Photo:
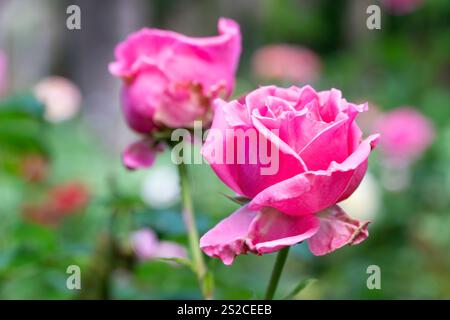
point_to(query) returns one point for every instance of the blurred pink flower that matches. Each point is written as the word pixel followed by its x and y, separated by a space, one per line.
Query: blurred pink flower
pixel 3 73
pixel 400 7
pixel 147 246
pixel 61 97
pixel 286 63
pixel 406 134
pixel 322 159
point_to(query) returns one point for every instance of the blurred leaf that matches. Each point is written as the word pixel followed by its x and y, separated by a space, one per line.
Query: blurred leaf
pixel 24 104
pixel 180 261
pixel 22 127
pixel 302 285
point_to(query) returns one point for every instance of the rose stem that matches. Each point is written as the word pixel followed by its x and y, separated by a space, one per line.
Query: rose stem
pixel 189 220
pixel 276 273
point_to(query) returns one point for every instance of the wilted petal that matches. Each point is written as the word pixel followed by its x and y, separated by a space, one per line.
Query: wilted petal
pixel 229 238
pixel 258 232
pixel 336 230
pixel 273 230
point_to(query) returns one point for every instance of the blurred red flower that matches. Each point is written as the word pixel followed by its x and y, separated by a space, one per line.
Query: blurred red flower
pixel 60 201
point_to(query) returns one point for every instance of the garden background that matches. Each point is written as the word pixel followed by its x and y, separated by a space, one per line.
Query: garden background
pixel 74 155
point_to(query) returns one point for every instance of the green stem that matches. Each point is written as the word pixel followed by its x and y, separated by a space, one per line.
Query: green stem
pixel 276 273
pixel 189 220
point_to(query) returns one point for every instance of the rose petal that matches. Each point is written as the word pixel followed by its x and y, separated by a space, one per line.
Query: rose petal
pixel 273 230
pixel 139 98
pixel 215 145
pixel 258 232
pixel 229 237
pixel 181 57
pixel 140 154
pixel 265 167
pixel 336 230
pixel 331 102
pixel 311 192
pixel 327 145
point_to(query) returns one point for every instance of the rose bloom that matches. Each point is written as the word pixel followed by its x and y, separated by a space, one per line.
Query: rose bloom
pixel 169 81
pixel 401 7
pixel 147 246
pixel 286 62
pixel 322 159
pixel 406 135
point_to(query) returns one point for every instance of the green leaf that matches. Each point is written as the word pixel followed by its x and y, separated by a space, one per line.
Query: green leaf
pixel 298 288
pixel 180 261
pixel 24 104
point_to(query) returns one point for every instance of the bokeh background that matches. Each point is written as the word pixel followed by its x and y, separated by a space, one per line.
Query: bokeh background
pixel 65 198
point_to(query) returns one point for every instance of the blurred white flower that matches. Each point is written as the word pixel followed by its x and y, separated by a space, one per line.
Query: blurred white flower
pixel 161 188
pixel 364 203
pixel 61 97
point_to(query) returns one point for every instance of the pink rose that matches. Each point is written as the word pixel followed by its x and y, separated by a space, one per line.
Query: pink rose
pixel 321 161
pixel 406 135
pixel 170 79
pixel 286 62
